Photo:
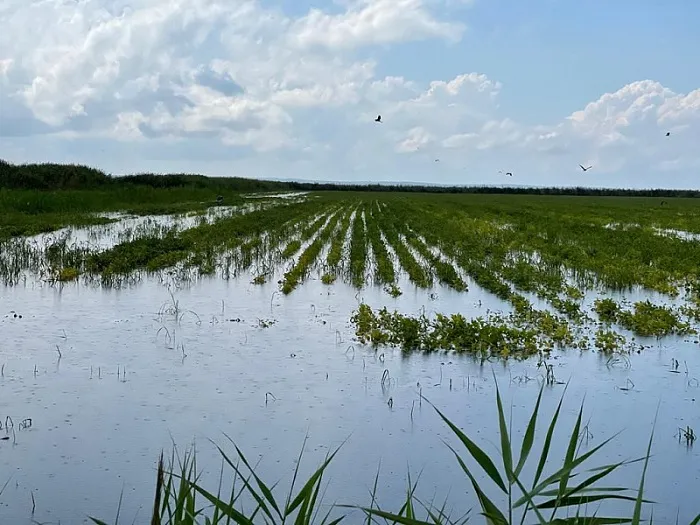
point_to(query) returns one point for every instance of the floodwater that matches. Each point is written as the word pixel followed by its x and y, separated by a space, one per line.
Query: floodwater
pixel 268 370
pixel 129 227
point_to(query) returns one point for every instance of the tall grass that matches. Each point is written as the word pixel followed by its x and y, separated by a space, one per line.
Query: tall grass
pixel 560 490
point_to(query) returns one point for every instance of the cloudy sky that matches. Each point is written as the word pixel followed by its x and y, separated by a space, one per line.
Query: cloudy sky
pixel 290 89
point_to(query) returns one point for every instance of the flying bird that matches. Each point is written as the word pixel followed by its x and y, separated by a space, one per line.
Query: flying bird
pixel 585 169
pixel 509 174
pixel 378 119
pixel 437 160
pixel 668 133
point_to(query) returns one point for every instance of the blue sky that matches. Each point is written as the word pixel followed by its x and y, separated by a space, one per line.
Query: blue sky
pixel 555 56
pixel 289 89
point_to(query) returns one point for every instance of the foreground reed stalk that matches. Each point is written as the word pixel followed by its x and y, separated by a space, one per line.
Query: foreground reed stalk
pixel 560 492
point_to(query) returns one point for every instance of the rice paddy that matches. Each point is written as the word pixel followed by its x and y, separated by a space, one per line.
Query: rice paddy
pixel 272 317
pixel 562 270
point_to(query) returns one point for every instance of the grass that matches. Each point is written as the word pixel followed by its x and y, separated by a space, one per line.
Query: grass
pixel 27 212
pixel 558 489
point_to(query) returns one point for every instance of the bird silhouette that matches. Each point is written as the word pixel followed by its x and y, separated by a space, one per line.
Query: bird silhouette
pixel 509 174
pixel 378 119
pixel 585 169
pixel 437 160
pixel 668 133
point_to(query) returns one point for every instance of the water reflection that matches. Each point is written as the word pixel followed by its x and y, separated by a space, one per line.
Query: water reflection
pixel 269 370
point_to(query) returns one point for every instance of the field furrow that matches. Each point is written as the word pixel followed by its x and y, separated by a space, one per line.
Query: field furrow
pixel 308 257
pixel 416 272
pixel 383 267
pixel 446 272
pixel 358 249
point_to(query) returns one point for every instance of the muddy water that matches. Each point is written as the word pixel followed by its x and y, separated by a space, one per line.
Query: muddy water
pixel 125 388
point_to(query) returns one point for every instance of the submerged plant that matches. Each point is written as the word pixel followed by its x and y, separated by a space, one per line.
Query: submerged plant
pixel 520 335
pixel 608 341
pixel 328 278
pixel 393 290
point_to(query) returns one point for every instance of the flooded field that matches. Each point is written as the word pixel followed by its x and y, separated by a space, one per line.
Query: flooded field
pixel 263 322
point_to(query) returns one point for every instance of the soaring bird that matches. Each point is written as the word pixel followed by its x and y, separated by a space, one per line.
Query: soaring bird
pixel 585 169
pixel 668 133
pixel 378 119
pixel 509 174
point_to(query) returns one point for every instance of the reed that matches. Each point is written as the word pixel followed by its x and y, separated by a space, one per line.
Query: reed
pixel 560 490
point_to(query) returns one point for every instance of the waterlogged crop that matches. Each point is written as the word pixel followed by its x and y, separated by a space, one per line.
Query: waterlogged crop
pixel 308 257
pixel 553 251
pixel 358 249
pixel 518 334
pixel 644 318
pixel 384 268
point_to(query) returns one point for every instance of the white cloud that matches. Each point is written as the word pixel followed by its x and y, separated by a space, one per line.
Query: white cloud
pixel 415 138
pixel 368 22
pixel 5 65
pixel 627 128
pixel 213 82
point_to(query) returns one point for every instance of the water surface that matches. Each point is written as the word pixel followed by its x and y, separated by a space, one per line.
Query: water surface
pixel 132 379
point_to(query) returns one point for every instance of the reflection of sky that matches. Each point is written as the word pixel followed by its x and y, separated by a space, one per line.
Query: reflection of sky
pixel 91 437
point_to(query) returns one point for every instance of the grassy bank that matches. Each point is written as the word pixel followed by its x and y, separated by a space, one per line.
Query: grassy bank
pixel 27 212
pixel 37 198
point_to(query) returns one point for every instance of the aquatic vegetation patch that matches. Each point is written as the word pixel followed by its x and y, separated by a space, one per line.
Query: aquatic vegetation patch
pixel 152 253
pixel 644 318
pixel 68 274
pixel 493 335
pixel 328 278
pixel 608 341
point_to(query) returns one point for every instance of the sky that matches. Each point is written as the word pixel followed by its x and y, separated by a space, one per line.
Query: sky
pixel 289 89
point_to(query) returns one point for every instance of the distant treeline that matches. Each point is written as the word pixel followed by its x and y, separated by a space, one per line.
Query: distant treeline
pixel 50 176
pixel 514 190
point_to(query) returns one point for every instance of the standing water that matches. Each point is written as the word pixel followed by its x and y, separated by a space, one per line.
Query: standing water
pixel 106 379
